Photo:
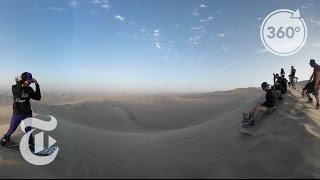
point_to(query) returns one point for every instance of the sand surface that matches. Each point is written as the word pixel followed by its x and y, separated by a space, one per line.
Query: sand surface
pixel 174 136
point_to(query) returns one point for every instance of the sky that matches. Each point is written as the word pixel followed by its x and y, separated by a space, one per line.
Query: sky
pixel 147 45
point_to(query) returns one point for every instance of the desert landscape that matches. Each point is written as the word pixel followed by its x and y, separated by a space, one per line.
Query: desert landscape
pixel 174 136
pixel 161 89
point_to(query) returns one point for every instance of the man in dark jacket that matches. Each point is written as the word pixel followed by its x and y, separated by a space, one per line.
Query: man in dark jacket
pixel 22 93
pixel 269 106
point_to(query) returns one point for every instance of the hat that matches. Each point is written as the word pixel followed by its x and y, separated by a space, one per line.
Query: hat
pixel 265 85
pixel 26 76
pixel 312 61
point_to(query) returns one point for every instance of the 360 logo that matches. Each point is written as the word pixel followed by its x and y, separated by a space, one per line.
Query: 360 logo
pixel 39 140
pixel 284 32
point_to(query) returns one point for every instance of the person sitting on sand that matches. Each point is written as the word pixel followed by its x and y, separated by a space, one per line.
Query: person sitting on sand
pixel 269 106
pixel 316 77
pixel 22 93
pixel 280 83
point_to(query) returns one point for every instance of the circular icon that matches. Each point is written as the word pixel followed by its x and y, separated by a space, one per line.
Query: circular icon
pixel 283 32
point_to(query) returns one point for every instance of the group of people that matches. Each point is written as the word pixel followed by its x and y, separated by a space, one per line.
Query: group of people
pixel 280 87
pixel 281 83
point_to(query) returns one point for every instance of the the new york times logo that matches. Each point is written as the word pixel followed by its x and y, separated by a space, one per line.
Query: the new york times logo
pixel 25 150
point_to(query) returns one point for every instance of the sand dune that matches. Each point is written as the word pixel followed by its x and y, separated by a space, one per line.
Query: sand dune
pixel 5 114
pixel 178 136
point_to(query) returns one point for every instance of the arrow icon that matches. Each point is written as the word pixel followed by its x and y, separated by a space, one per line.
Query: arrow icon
pixel 296 14
pixel 51 141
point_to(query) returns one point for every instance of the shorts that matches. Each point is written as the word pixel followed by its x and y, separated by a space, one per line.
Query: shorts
pixel 271 109
pixel 309 87
pixel 310 90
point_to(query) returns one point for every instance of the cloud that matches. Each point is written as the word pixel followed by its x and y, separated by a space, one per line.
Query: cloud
pixel 104 3
pixel 194 40
pixel 222 35
pixel 73 3
pixel 306 5
pixel 225 48
pixel 105 6
pixel 156 33
pixel 203 20
pixel 316 44
pixel 207 20
pixel 156 39
pixel 265 50
pixel 57 9
pixel 143 30
pixel 203 6
pixel 195 12
pixel 100 1
pixel 197 28
pixel 85 71
pixel 316 22
pixel 158 45
pixel 120 18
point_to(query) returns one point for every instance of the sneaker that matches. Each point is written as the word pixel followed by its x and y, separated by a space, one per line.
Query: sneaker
pixel 310 100
pixel 251 121
pixel 245 117
pixel 317 106
pixel 5 140
pixel 248 123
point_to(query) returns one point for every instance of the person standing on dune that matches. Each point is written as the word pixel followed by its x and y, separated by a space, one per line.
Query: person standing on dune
pixel 316 77
pixel 22 93
pixel 282 73
pixel 293 77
